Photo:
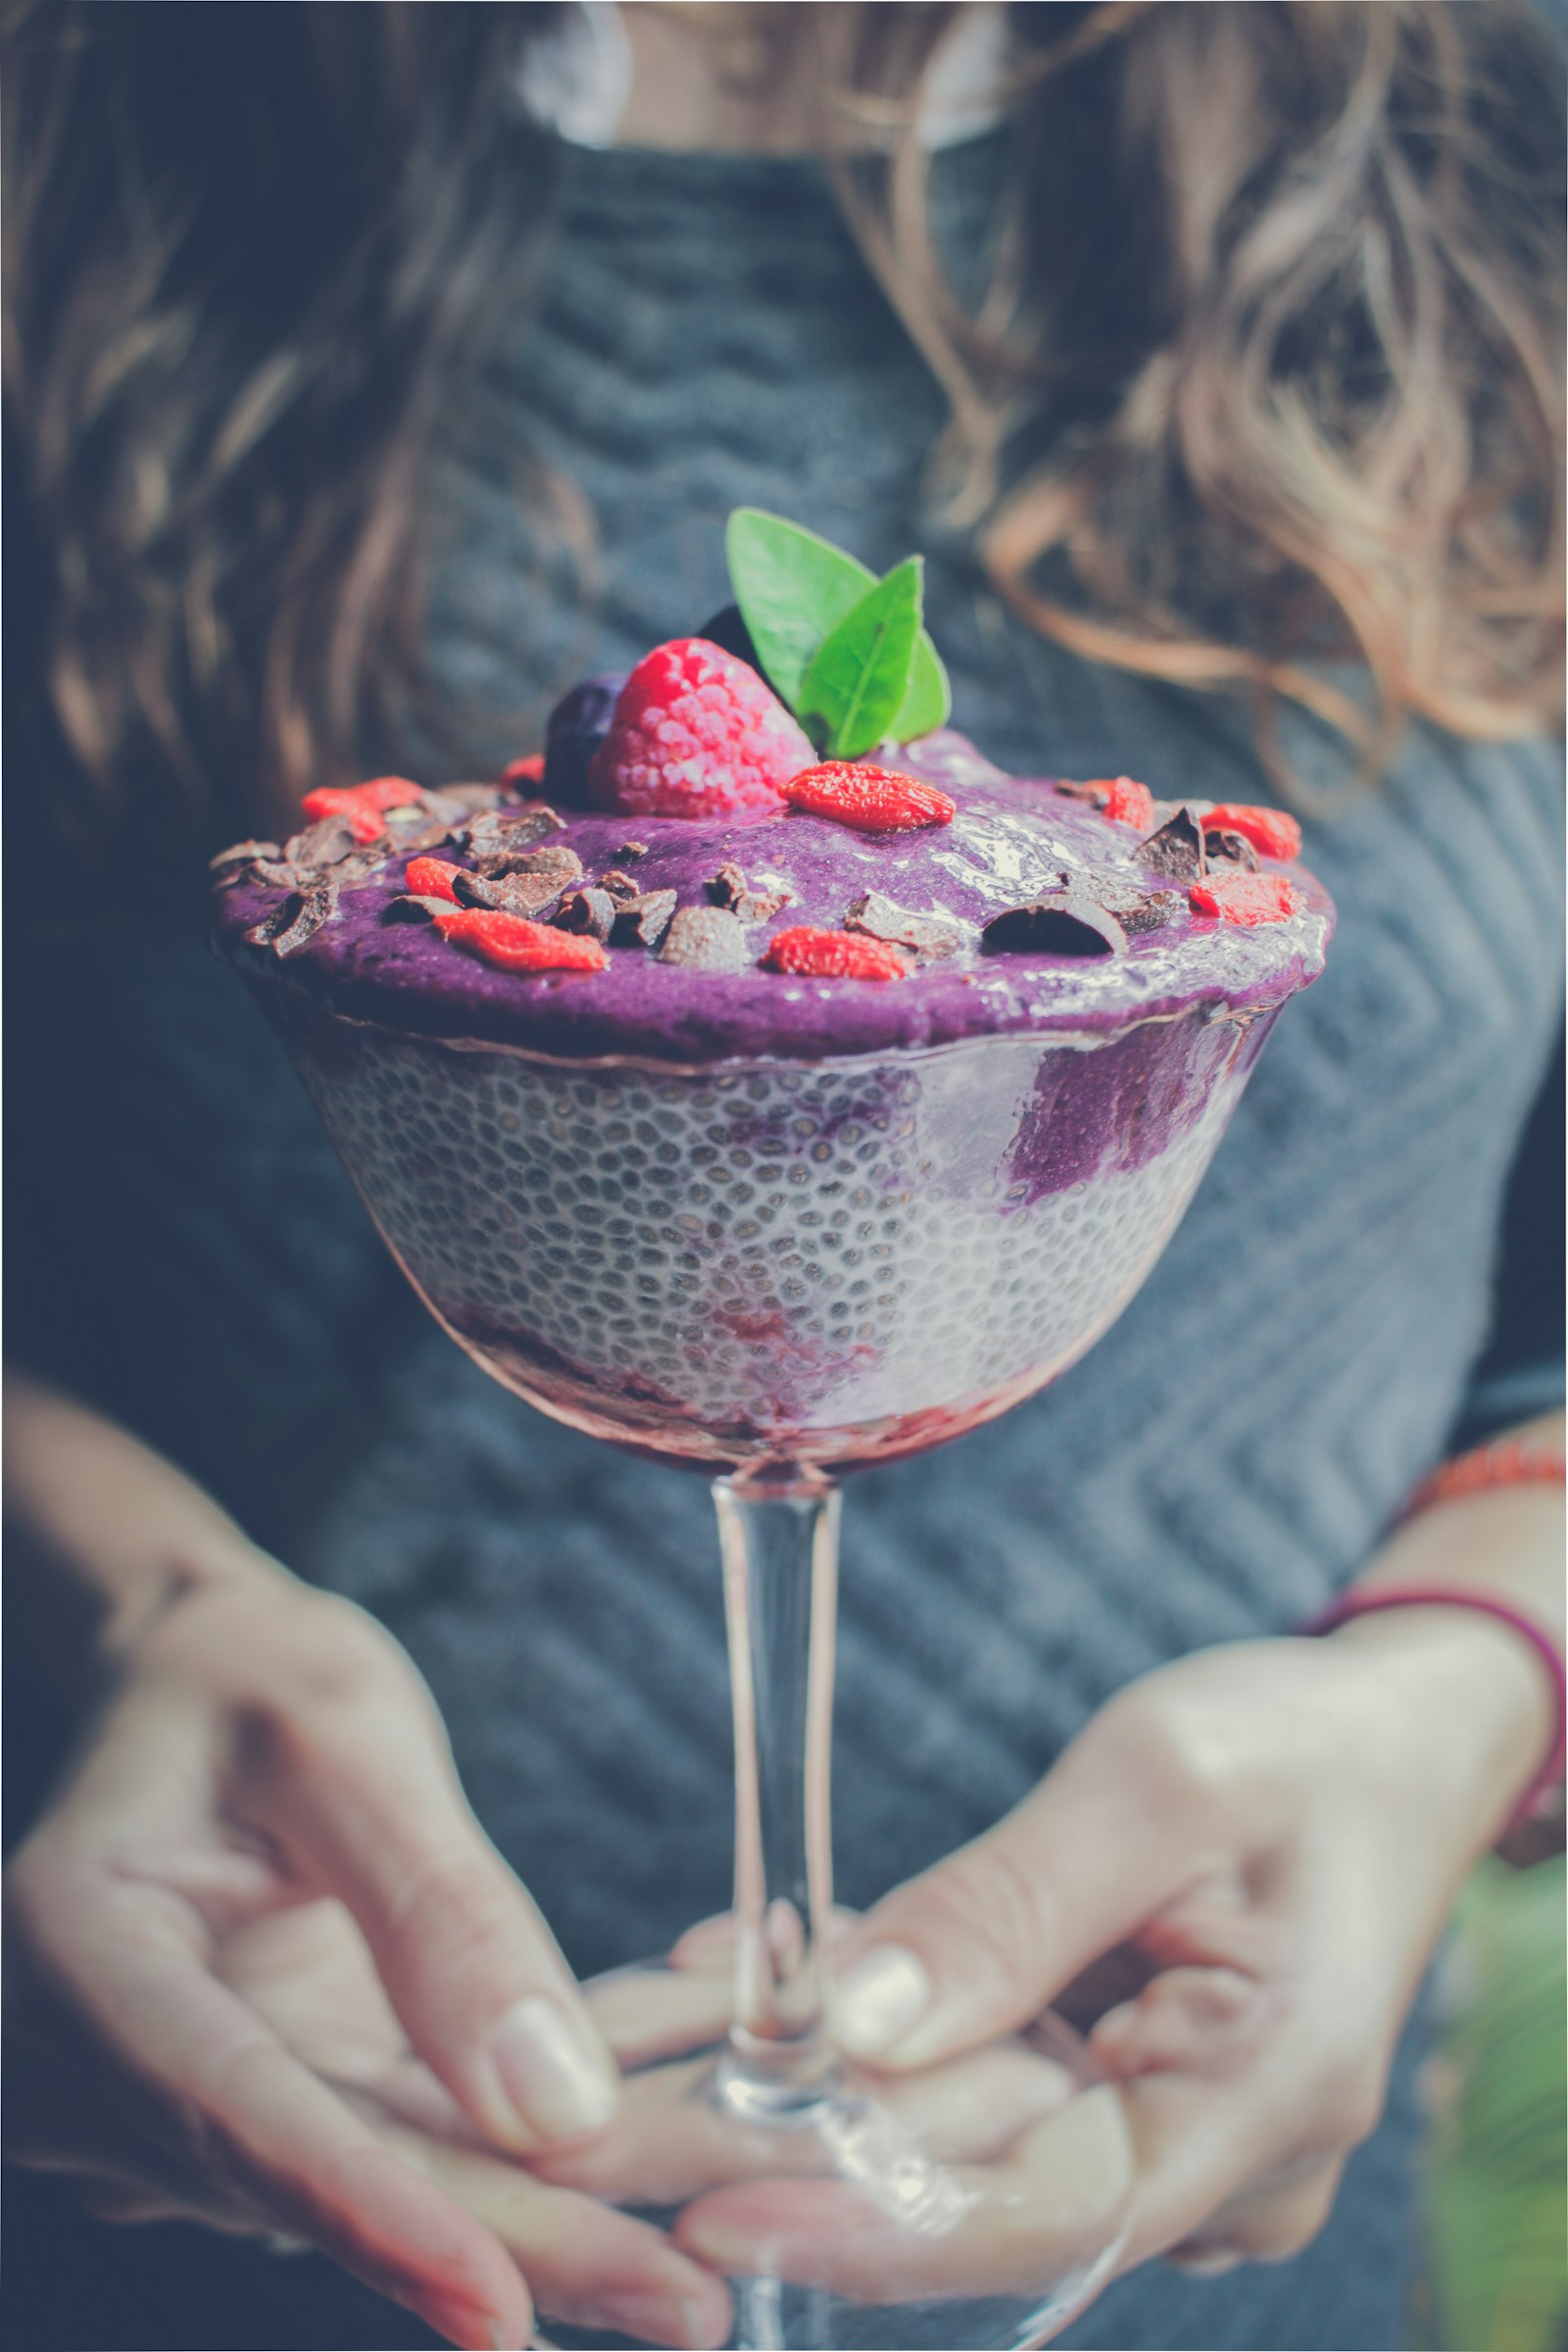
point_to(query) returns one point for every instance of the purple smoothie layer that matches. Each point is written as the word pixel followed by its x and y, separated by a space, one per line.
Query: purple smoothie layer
pixel 1011 840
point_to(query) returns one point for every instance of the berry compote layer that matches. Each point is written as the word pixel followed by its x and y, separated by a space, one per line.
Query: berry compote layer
pixel 771 1219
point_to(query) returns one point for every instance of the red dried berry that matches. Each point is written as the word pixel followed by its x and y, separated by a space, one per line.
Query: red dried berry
pixel 873 799
pixel 1126 801
pixel 811 954
pixel 1246 899
pixel 360 807
pixel 1269 830
pixel 696 733
pixel 530 770
pixel 431 878
pixel 515 944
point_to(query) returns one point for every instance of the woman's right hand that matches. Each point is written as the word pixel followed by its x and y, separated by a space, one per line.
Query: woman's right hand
pixel 267 1971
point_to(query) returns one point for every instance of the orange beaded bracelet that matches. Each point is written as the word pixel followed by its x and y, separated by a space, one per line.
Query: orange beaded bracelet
pixel 1505 1462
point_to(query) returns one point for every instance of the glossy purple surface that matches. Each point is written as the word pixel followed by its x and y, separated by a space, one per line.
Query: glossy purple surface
pixel 1009 840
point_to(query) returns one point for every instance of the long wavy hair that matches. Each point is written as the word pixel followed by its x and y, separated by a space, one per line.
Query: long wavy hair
pixel 1275 301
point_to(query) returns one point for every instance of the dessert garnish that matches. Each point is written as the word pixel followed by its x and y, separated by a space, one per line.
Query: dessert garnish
pixel 1059 922
pixel 510 893
pixel 642 920
pixel 1235 847
pixel 588 910
pixel 708 939
pixel 1120 798
pixel 500 837
pixel 808 953
pixel 529 770
pixel 1176 852
pixel 411 909
pixel 298 919
pixel 696 733
pixel 518 945
pixel 730 888
pixel 925 936
pixel 1271 830
pixel 363 808
pixel 1246 899
pixel 431 878
pixel 873 799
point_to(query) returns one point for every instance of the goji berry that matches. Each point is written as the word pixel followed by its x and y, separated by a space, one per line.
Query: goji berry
pixel 1271 830
pixel 811 954
pixel 431 878
pixel 528 770
pixel 1128 802
pixel 1246 899
pixel 873 799
pixel 518 945
pixel 361 805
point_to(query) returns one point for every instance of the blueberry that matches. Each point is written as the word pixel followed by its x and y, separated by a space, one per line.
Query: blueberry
pixel 578 726
pixel 728 630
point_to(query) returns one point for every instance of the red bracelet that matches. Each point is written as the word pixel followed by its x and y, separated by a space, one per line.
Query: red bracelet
pixel 1539 1797
pixel 1506 1462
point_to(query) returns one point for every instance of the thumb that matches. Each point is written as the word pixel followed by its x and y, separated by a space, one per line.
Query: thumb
pixel 979 1945
pixel 370 1809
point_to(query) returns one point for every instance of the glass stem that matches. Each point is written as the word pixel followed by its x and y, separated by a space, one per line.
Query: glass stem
pixel 780 1550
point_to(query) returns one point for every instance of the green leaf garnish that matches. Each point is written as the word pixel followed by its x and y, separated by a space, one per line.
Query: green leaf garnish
pixel 793 589
pixel 859 673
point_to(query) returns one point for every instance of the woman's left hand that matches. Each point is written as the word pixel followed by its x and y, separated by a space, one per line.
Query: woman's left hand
pixel 1264 1842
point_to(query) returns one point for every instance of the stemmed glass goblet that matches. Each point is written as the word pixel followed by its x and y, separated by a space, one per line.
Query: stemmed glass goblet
pixel 777 1272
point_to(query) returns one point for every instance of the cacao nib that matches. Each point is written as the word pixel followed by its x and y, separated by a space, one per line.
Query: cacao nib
pixel 326 843
pixel 1140 910
pixel 240 852
pixel 1176 852
pixel 618 885
pixel 642 921
pixel 927 936
pixel 589 910
pixel 409 908
pixel 1234 848
pixel 706 939
pixel 503 832
pixel 631 851
pixel 278 874
pixel 515 894
pixel 730 888
pixel 305 913
pixel 1061 923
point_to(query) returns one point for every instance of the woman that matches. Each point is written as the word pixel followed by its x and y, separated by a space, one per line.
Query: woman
pixel 353 411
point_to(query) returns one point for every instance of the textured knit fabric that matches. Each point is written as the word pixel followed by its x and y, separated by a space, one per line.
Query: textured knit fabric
pixel 1227 1455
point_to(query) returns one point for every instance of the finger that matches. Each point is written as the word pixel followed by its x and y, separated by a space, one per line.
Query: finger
pixel 1271 2223
pixel 711 1943
pixel 978 1944
pixel 650 2012
pixel 1050 2211
pixel 1199 2021
pixel 586 2263
pixel 363 1794
pixel 227 2100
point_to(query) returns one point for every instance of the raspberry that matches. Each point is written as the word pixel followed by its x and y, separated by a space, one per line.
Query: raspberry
pixel 1271 830
pixel 431 878
pixel 696 733
pixel 1246 899
pixel 1128 802
pixel 519 945
pixel 873 799
pixel 530 770
pixel 811 954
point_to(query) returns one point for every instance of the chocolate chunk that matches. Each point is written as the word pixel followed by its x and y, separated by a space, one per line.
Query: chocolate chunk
pixel 507 830
pixel 1235 847
pixel 298 919
pixel 278 874
pixel 1095 796
pixel 642 921
pixel 556 860
pixel 360 867
pixel 429 834
pixel 618 885
pixel 409 908
pixel 457 803
pixel 927 936
pixel 631 851
pixel 730 888
pixel 240 852
pixel 1176 852
pixel 1061 923
pixel 327 843
pixel 1140 910
pixel 515 894
pixel 589 910
pixel 706 939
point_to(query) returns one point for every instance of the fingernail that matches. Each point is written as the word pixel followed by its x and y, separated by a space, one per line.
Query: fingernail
pixel 879 1998
pixel 659 2318
pixel 472 2330
pixel 552 2074
pixel 1207 2266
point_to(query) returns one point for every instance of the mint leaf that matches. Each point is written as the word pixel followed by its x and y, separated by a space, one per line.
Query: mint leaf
pixel 929 700
pixel 792 588
pixel 860 674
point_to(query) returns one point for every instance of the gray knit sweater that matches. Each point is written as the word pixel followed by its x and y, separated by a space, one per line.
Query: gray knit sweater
pixel 1227 1455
